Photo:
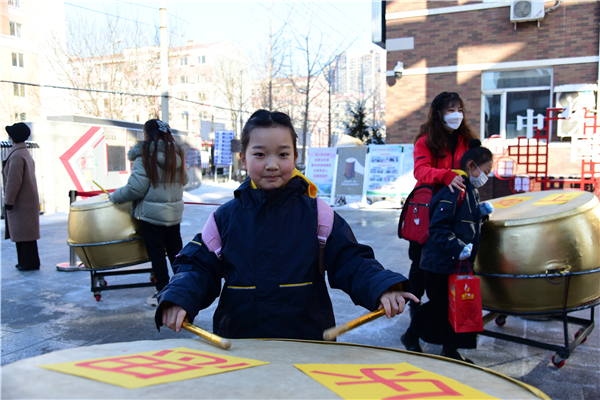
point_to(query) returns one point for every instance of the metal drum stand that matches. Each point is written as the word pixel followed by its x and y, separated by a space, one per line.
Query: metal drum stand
pixel 562 351
pixel 97 275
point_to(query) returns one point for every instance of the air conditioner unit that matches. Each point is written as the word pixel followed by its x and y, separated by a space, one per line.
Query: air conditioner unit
pixel 526 10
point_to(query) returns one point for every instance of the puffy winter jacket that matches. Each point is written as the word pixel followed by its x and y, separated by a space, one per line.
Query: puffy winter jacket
pixel 430 170
pixel 161 205
pixel 451 228
pixel 273 287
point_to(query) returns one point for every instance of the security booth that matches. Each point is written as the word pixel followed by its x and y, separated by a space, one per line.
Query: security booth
pixel 36 153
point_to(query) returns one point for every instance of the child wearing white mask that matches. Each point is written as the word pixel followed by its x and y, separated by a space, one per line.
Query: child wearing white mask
pixel 454 234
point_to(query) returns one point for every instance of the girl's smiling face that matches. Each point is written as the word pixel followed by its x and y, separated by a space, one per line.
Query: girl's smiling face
pixel 269 158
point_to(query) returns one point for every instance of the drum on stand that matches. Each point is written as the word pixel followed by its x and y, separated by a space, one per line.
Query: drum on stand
pixel 278 379
pixel 104 234
pixel 540 251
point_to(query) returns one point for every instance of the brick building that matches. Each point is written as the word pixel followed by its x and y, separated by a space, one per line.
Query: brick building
pixel 500 67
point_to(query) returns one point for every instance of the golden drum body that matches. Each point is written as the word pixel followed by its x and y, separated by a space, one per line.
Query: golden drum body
pixel 540 251
pixel 104 234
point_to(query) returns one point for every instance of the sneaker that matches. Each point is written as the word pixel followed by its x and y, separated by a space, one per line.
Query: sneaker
pixel 455 355
pixel 410 343
pixel 152 300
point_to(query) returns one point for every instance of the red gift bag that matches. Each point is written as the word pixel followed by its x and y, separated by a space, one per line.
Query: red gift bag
pixel 464 303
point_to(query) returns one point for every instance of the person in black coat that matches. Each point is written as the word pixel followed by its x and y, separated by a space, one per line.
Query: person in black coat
pixel 454 234
pixel 273 285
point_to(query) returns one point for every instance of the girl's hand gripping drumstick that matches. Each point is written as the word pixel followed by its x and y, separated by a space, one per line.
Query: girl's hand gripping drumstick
pixel 334 332
pixel 218 340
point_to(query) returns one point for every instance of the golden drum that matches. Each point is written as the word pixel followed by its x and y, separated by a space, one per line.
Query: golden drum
pixel 540 251
pixel 104 234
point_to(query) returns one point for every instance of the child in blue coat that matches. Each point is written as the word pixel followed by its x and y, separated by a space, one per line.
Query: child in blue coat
pixel 454 234
pixel 273 285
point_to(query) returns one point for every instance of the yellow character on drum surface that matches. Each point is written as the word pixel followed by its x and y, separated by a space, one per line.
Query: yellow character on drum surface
pixel 269 253
pixel 156 189
pixel 454 235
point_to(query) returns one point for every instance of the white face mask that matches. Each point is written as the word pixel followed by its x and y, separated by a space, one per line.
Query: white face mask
pixel 453 120
pixel 480 180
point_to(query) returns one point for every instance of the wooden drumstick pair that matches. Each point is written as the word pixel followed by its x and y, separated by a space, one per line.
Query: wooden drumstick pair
pixel 334 332
pixel 211 337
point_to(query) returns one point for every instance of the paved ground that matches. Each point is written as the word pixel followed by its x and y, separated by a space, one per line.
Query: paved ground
pixel 46 311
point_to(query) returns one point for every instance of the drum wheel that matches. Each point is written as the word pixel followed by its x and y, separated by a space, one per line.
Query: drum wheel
pixel 579 333
pixel 558 361
pixel 102 281
pixel 152 277
pixel 97 296
pixel 500 320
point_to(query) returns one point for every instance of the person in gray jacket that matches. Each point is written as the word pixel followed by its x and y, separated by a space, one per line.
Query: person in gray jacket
pixel 156 189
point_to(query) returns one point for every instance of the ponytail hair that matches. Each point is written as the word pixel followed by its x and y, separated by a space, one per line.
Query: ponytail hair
pixel 476 153
pixel 155 130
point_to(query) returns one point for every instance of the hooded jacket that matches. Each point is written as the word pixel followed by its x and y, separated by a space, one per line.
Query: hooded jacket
pixel 161 205
pixel 273 287
pixel 451 228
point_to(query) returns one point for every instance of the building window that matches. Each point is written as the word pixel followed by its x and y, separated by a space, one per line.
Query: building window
pixel 202 96
pixel 134 101
pixel 15 29
pixel 136 118
pixel 105 103
pixel 183 61
pixel 17 60
pixel 184 96
pixel 183 79
pixel 14 3
pixel 20 117
pixel 116 158
pixel 19 89
pixel 202 59
pixel 508 94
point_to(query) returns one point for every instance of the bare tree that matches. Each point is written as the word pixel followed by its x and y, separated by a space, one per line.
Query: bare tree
pixel 272 55
pixel 317 54
pixel 116 55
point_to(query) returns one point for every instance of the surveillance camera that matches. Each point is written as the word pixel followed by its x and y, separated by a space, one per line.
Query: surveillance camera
pixel 398 70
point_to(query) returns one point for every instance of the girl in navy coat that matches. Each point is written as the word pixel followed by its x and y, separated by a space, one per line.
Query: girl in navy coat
pixel 273 284
pixel 454 234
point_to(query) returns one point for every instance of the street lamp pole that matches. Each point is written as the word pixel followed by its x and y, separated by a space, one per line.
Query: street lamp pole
pixel 164 63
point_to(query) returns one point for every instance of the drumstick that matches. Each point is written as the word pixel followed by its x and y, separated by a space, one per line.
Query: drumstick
pixel 332 333
pixel 211 337
pixel 100 187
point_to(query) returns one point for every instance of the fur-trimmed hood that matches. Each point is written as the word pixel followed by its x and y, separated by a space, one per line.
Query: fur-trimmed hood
pixel 136 151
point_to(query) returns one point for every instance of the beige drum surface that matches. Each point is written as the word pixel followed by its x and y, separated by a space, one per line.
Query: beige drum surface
pixel 525 239
pixel 97 220
pixel 277 380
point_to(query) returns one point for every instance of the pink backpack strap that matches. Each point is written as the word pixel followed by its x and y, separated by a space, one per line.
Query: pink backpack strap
pixel 211 236
pixel 324 228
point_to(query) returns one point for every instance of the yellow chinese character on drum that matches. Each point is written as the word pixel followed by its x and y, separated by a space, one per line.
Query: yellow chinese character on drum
pixel 394 381
pixel 154 367
pixel 509 202
pixel 556 199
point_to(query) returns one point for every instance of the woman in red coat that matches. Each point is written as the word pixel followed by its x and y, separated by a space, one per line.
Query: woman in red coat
pixel 439 146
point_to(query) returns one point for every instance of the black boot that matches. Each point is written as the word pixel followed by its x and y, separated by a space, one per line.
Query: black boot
pixel 455 355
pixel 411 341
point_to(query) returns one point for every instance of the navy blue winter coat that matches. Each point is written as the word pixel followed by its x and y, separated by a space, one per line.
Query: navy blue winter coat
pixel 451 228
pixel 273 287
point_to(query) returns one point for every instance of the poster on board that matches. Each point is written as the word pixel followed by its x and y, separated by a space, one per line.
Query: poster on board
pixel 350 171
pixel 385 167
pixel 406 181
pixel 320 168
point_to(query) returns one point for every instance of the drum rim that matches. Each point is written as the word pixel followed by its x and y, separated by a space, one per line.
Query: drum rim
pixel 535 391
pixel 580 210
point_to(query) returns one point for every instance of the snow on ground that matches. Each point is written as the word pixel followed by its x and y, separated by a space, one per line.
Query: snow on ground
pixel 221 192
